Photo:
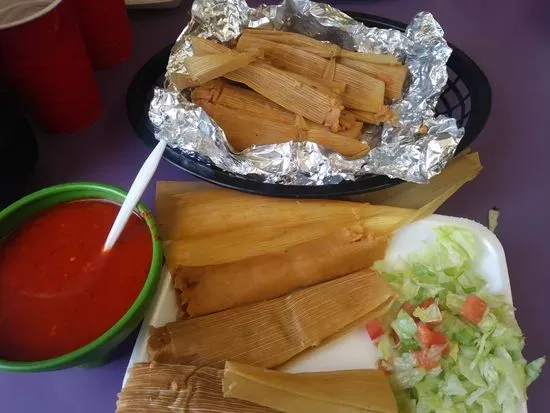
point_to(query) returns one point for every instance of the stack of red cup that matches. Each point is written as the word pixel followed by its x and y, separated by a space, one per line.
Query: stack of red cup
pixel 48 50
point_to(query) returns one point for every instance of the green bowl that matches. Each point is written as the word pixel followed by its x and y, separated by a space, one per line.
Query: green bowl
pixel 97 352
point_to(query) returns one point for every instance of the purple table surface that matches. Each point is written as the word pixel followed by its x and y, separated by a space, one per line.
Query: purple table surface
pixel 509 40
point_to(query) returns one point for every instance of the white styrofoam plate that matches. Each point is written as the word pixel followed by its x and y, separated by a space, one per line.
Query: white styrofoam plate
pixel 353 350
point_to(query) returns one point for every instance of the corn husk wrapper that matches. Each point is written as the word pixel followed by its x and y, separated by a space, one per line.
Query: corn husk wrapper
pixel 244 129
pixel 269 333
pixel 234 225
pixel 459 171
pixel 375 118
pixel 323 49
pixel 211 288
pixel 363 92
pixel 169 388
pixel 352 391
pixel 291 93
pixel 202 69
pixel 281 87
pixel 393 76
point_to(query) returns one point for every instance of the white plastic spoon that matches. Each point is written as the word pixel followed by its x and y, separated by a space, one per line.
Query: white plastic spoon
pixel 134 194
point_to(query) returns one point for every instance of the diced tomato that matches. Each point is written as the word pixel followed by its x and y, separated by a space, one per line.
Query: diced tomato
pixel 427 303
pixel 384 366
pixel 473 309
pixel 424 335
pixel 408 308
pixel 439 339
pixel 424 361
pixel 375 329
pixel 429 358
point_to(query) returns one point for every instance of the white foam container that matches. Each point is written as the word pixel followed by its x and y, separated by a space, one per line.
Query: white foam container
pixel 353 350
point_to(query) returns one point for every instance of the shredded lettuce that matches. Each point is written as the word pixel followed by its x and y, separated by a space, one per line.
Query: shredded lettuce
pixel 404 326
pixel 484 370
pixel 431 314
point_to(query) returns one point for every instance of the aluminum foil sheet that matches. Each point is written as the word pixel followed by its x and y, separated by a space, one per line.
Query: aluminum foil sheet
pixel 415 148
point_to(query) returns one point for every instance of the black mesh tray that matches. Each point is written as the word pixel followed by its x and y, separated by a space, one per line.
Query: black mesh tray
pixel 467 98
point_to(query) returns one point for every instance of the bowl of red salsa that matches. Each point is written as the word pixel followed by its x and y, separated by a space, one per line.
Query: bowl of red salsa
pixel 64 301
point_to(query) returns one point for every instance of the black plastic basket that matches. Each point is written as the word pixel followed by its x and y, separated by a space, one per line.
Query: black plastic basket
pixel 467 98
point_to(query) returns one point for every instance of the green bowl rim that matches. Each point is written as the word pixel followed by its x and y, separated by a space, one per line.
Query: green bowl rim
pixel 150 282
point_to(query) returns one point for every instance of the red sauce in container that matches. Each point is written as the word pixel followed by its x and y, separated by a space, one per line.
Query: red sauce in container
pixel 58 290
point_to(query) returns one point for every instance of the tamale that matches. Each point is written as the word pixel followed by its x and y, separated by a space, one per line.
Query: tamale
pixel 236 225
pixel 392 76
pixel 347 391
pixel 269 333
pixel 353 129
pixel 329 87
pixel 202 69
pixel 317 104
pixel 182 81
pixel 323 49
pixel 211 288
pixel 169 388
pixel 202 47
pixel 285 90
pixel 223 93
pixel 244 129
pixel 384 115
pixel 363 92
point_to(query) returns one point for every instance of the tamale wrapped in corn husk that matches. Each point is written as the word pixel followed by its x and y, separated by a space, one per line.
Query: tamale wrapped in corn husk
pixel 323 49
pixel 211 288
pixel 224 93
pixel 292 94
pixel 202 69
pixel 288 91
pixel 393 76
pixel 234 225
pixel 363 92
pixel 201 47
pixel 170 388
pixel 384 115
pixel 353 129
pixel 270 333
pixel 347 391
pixel 244 129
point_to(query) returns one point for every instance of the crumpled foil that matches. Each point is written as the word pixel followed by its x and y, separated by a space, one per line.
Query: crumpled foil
pixel 414 149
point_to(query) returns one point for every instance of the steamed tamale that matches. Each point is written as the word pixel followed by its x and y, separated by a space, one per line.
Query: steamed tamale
pixel 270 333
pixel 224 93
pixel 362 92
pixel 244 129
pixel 323 49
pixel 392 76
pixel 211 288
pixel 283 88
pixel 234 225
pixel 292 94
pixel 384 115
pixel 169 388
pixel 202 69
pixel 348 391
pixel 202 47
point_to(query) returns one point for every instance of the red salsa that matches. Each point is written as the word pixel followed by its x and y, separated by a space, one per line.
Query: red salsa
pixel 58 290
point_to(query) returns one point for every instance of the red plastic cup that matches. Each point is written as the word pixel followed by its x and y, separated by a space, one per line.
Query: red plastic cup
pixel 44 60
pixel 106 30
